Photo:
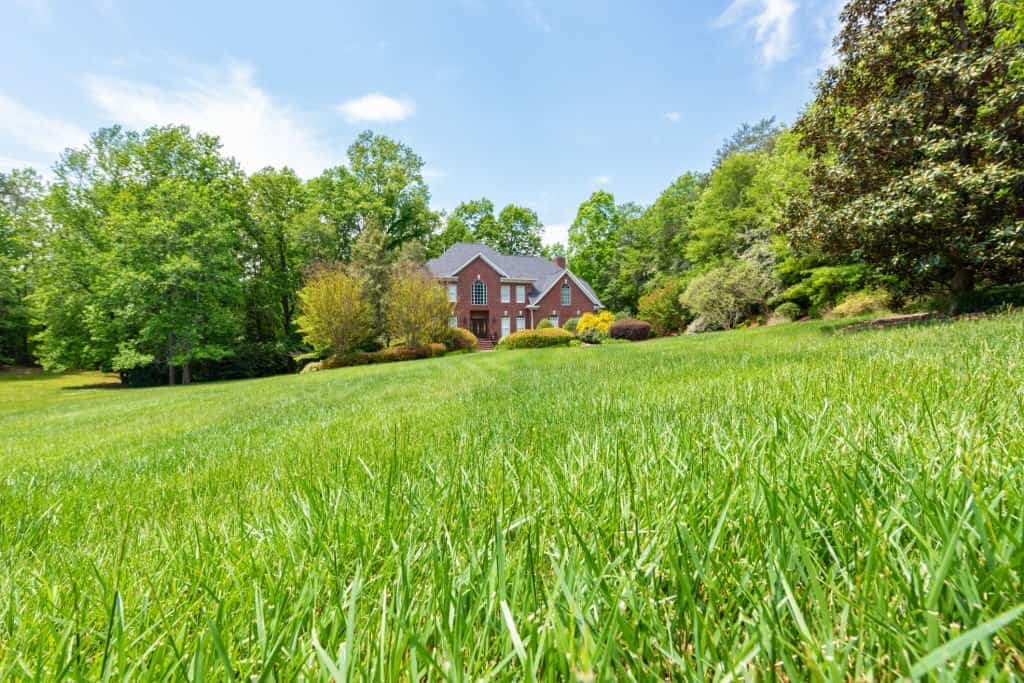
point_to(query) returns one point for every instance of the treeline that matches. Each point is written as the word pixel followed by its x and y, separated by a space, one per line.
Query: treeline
pixel 152 254
pixel 902 181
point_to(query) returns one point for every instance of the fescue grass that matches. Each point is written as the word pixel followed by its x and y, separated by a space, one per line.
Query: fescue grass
pixel 783 502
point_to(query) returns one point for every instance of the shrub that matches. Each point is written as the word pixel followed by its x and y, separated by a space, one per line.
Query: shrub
pixel 417 307
pixel 592 336
pixel 460 339
pixel 725 296
pixel 437 349
pixel 315 366
pixel 391 354
pixel 788 311
pixel 335 314
pixel 631 329
pixel 575 343
pixel 602 322
pixel 535 339
pixel 662 308
pixel 544 324
pixel 824 285
pixel 860 303
pixel 571 324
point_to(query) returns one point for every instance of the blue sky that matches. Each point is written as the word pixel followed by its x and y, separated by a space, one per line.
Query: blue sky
pixel 537 102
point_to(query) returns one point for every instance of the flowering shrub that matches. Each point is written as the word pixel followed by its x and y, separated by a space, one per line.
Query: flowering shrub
pixel 602 322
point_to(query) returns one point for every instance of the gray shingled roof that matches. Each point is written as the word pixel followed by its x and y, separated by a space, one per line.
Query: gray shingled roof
pixel 541 271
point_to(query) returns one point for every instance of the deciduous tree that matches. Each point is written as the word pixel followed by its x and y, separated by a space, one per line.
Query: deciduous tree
pixel 918 139
pixel 336 315
pixel 417 306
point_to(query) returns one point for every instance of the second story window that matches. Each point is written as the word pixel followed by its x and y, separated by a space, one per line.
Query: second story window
pixel 453 293
pixel 479 293
pixel 566 295
pixel 520 294
pixel 506 294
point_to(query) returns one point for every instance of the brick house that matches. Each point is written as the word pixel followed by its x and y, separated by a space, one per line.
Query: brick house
pixel 496 294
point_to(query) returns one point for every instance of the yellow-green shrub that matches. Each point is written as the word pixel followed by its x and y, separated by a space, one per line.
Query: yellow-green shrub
pixel 862 302
pixel 535 339
pixel 600 322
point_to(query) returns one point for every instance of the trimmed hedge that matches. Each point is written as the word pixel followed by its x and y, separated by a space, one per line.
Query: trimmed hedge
pixel 544 324
pixel 460 339
pixel 392 354
pixel 536 339
pixel 630 329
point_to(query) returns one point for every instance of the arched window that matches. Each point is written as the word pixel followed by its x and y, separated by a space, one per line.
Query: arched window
pixel 479 293
pixel 566 295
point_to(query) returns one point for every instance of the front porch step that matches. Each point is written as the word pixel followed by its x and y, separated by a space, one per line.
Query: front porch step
pixel 485 345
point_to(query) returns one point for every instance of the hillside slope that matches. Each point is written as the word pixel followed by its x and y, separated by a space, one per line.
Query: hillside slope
pixel 783 498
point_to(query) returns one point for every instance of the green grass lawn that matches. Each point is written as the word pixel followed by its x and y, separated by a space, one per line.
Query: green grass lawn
pixel 784 501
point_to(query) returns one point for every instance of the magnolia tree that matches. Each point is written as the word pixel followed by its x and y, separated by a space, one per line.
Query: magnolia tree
pixel 417 307
pixel 336 316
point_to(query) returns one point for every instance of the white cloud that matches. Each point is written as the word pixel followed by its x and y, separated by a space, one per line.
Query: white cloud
pixel 772 22
pixel 9 164
pixel 556 233
pixel 254 128
pixel 24 128
pixel 434 173
pixel 376 108
pixel 534 15
pixel 602 180
pixel 673 116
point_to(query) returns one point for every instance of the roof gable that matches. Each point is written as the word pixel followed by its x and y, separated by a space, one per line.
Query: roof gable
pixel 542 272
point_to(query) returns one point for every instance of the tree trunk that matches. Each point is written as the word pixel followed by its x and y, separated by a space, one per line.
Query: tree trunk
pixel 186 373
pixel 962 287
pixel 170 352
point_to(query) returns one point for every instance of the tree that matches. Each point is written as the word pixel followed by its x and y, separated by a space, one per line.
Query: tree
pixel 372 260
pixel 454 231
pixel 662 309
pixel 417 306
pixel 593 237
pixel 141 261
pixel 21 223
pixel 336 316
pixel 277 204
pixel 726 221
pixel 759 137
pixel 918 144
pixel 728 294
pixel 390 190
pixel 519 231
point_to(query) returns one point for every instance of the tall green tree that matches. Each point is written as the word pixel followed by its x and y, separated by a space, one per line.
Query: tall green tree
pixel 918 140
pixel 593 237
pixel 21 223
pixel 141 259
pixel 278 205
pixel 372 261
pixel 519 231
pixel 726 222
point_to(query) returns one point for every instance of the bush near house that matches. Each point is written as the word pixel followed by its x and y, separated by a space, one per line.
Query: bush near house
pixel 544 324
pixel 601 322
pixel 536 339
pixel 392 354
pixel 571 324
pixel 630 329
pixel 460 339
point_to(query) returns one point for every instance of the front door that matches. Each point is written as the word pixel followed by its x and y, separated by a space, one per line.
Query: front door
pixel 478 326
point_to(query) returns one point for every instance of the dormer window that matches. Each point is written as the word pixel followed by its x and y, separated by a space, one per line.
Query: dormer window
pixel 479 293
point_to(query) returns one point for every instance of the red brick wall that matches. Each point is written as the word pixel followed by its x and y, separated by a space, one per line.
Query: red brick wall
pixel 495 309
pixel 552 301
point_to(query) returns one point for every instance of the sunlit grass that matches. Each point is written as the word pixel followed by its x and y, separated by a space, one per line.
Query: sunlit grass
pixel 779 501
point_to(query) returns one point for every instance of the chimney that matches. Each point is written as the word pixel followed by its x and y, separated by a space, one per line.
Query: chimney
pixel 559 261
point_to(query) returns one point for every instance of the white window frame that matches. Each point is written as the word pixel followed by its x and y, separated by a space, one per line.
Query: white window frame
pixel 453 292
pixel 479 301
pixel 566 295
pixel 553 319
pixel 506 294
pixel 506 325
pixel 520 322
pixel 520 294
